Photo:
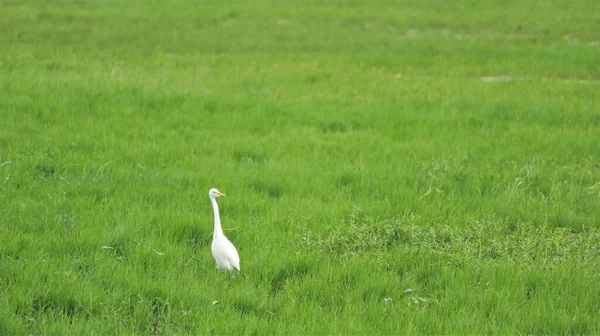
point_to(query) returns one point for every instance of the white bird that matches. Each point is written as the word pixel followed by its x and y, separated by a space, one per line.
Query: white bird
pixel 223 251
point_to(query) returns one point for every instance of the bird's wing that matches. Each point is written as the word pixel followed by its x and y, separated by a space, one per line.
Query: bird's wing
pixel 233 256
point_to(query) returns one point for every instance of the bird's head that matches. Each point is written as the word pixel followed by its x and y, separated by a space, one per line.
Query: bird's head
pixel 214 193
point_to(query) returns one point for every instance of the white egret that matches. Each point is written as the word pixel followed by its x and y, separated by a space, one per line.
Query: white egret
pixel 223 251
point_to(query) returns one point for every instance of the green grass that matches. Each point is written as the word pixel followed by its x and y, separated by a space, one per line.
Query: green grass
pixel 391 167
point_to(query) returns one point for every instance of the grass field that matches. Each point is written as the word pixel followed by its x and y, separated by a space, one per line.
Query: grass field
pixel 392 167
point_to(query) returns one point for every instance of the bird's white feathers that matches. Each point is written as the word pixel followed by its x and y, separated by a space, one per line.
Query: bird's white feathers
pixel 225 254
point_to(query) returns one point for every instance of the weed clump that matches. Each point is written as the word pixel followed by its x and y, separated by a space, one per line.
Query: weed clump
pixel 476 241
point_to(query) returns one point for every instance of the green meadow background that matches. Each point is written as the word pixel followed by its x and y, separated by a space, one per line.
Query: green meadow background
pixel 392 167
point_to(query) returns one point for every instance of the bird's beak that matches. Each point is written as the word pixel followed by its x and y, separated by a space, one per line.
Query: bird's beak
pixel 220 193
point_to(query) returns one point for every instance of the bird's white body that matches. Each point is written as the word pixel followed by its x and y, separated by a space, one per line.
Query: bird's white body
pixel 225 254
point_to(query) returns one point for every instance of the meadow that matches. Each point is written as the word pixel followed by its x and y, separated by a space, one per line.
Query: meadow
pixel 392 167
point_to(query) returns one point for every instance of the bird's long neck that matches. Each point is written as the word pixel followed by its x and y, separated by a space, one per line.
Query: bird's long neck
pixel 218 229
